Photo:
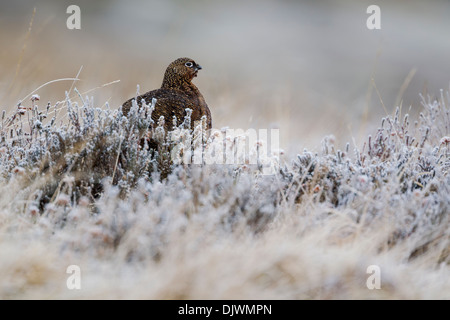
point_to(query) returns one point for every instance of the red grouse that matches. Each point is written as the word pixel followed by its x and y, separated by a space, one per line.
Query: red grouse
pixel 177 93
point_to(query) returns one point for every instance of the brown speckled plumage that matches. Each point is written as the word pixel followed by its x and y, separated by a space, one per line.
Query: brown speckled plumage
pixel 177 93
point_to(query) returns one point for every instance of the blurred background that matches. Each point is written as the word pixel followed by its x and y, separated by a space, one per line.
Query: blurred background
pixel 304 67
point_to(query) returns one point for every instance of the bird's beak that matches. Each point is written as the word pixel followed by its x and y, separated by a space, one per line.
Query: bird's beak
pixel 198 67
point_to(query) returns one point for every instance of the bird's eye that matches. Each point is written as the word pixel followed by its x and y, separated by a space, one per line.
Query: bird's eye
pixel 189 64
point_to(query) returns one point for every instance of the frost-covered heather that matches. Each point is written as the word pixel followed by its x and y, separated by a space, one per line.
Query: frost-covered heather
pixel 79 186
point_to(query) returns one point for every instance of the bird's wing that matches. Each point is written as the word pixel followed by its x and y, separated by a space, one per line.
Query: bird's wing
pixel 169 103
pixel 170 107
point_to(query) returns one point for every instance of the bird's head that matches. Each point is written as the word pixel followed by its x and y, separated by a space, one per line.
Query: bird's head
pixel 184 68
